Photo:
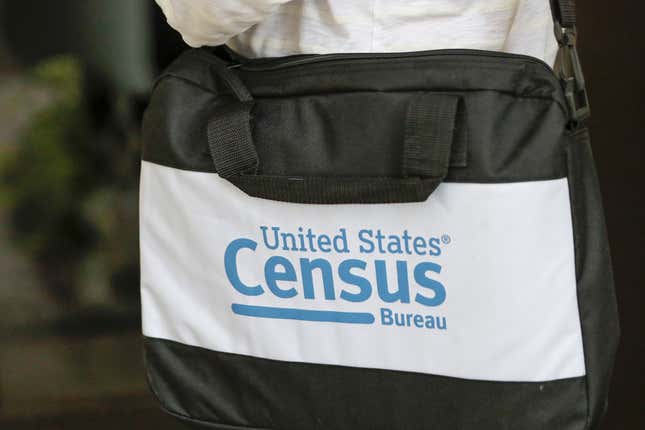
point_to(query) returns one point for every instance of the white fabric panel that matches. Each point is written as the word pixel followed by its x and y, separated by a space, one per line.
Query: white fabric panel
pixel 507 270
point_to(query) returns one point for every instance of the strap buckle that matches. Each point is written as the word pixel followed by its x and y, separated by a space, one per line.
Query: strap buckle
pixel 570 72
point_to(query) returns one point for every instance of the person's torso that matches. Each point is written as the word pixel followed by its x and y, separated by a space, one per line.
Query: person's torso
pixel 313 26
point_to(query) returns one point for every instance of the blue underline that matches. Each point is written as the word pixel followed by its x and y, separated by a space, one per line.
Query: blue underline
pixel 303 314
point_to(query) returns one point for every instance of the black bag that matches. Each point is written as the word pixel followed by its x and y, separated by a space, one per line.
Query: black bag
pixel 375 241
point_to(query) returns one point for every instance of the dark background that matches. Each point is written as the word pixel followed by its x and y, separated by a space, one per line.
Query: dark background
pixel 612 47
pixel 70 355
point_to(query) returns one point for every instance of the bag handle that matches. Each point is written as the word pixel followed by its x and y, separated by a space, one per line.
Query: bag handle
pixel 431 145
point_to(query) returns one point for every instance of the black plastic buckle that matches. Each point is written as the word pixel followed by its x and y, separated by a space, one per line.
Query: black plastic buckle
pixel 570 72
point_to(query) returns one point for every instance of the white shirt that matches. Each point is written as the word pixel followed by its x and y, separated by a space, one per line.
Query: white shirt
pixel 268 28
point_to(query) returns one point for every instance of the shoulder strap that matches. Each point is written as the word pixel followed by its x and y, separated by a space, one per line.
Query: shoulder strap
pixel 564 12
pixel 568 65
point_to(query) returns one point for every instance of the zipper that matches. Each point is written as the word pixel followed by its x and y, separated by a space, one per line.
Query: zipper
pixel 266 65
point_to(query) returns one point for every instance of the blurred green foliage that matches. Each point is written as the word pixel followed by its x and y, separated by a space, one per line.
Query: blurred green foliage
pixel 43 177
pixel 69 185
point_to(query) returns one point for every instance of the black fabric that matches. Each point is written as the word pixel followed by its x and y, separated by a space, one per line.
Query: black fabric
pixel 230 140
pixel 229 129
pixel 331 190
pixel 564 12
pixel 513 116
pixel 517 75
pixel 596 297
pixel 319 121
pixel 230 79
pixel 430 130
pixel 247 392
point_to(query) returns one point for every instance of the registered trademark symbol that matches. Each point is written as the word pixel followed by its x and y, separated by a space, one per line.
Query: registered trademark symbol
pixel 445 239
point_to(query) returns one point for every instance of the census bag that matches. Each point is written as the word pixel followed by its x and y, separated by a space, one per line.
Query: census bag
pixel 375 241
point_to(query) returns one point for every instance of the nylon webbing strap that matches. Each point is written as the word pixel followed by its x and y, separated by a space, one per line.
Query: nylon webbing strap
pixel 337 190
pixel 229 130
pixel 564 12
pixel 432 142
pixel 232 81
pixel 230 140
pixel 567 65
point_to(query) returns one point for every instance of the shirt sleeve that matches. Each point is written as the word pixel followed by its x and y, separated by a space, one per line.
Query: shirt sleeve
pixel 213 22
